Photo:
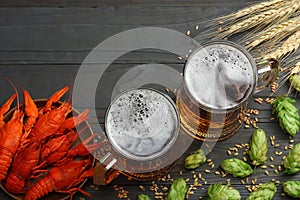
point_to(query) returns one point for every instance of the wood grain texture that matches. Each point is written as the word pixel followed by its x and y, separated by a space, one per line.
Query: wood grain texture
pixel 94 3
pixel 67 35
pixel 43 44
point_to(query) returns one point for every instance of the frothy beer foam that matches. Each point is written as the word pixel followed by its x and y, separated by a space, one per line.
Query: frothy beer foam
pixel 219 76
pixel 141 124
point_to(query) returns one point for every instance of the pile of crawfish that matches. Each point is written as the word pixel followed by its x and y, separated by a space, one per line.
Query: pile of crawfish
pixel 38 151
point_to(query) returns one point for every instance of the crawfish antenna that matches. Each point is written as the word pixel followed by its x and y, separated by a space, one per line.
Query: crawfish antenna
pixel 15 89
pixel 71 89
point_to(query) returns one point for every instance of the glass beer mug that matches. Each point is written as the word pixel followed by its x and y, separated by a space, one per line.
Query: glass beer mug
pixel 142 127
pixel 218 79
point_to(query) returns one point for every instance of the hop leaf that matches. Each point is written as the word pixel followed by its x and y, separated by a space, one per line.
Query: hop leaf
pixel 258 147
pixel 195 160
pixel 177 190
pixel 292 188
pixel 236 167
pixel 222 192
pixel 265 191
pixel 291 162
pixel 287 114
pixel 143 197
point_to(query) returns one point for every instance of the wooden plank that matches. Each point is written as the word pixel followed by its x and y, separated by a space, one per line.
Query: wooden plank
pixel 93 3
pixel 76 31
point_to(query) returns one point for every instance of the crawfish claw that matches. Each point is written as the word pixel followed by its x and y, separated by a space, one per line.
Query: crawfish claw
pixel 5 107
pixel 31 111
pixel 54 98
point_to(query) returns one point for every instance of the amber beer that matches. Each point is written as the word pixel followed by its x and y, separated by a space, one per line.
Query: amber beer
pixel 142 126
pixel 218 78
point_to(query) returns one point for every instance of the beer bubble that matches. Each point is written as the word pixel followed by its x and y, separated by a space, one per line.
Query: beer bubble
pixel 147 131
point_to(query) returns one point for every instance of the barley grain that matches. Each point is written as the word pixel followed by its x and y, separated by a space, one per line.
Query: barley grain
pixel 267 173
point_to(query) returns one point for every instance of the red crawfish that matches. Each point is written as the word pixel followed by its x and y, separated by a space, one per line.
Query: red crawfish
pixel 62 179
pixel 51 119
pixel 28 153
pixel 10 136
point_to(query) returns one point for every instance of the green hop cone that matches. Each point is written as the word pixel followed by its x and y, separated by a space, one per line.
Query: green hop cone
pixel 295 81
pixel 195 160
pixel 292 188
pixel 287 114
pixel 265 191
pixel 291 162
pixel 222 192
pixel 177 190
pixel 258 147
pixel 236 167
pixel 143 197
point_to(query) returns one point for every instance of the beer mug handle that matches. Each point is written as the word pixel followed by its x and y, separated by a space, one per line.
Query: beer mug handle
pixel 103 173
pixel 267 71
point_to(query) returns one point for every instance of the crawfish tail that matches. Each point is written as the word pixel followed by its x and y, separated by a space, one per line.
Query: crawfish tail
pixel 14 183
pixel 10 136
pixel 22 167
pixel 40 189
pixel 5 161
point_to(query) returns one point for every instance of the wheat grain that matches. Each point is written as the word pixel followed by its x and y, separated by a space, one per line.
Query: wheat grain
pixel 291 44
pixel 277 31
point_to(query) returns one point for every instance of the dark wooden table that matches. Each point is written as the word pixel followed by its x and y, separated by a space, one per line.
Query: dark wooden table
pixel 42 45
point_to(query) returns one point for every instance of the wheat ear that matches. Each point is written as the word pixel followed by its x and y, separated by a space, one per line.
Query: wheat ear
pixel 259 7
pixel 260 20
pixel 296 68
pixel 277 31
pixel 290 45
pixel 228 20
